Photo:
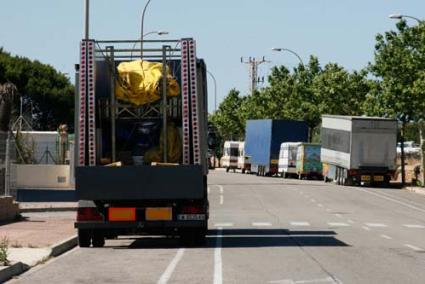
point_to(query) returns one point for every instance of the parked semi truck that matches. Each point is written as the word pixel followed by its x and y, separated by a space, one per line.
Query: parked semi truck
pixel 358 150
pixel 263 141
pixel 141 167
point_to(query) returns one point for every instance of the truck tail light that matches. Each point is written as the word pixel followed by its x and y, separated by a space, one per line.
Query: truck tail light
pixel 352 173
pixel 122 214
pixel 192 209
pixel 89 214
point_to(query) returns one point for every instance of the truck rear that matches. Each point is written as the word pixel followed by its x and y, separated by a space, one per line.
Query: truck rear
pixel 141 153
pixel 358 150
pixel 308 161
pixel 263 141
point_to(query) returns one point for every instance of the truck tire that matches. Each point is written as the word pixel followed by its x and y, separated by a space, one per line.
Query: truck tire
pixel 193 237
pixel 98 239
pixel 243 171
pixel 84 238
pixel 227 170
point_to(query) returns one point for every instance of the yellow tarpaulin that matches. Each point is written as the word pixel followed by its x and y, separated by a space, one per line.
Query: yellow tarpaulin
pixel 139 82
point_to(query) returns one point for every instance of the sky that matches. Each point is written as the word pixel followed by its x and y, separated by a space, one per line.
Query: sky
pixel 339 31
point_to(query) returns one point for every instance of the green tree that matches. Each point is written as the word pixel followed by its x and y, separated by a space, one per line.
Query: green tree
pixel 47 91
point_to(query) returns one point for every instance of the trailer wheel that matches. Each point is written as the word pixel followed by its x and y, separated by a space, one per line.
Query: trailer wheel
pixel 243 171
pixel 227 170
pixel 84 238
pixel 98 239
pixel 193 237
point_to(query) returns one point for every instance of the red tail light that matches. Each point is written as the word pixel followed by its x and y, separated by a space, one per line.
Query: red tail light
pixel 192 210
pixel 352 173
pixel 89 214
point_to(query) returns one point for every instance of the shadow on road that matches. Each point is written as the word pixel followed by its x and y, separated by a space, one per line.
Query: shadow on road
pixel 244 238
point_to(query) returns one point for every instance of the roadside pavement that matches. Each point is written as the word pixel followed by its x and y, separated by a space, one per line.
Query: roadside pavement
pixel 419 190
pixel 47 206
pixel 37 237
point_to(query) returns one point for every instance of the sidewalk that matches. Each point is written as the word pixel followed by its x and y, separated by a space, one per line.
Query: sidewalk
pixel 37 237
pixel 47 206
pixel 419 190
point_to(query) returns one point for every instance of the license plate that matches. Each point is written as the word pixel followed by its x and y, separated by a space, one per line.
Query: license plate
pixel 159 214
pixel 378 178
pixel 365 178
pixel 191 217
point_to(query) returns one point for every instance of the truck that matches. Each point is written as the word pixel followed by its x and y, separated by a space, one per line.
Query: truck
pixel 358 150
pixel 229 161
pixel 244 162
pixel 308 161
pixel 263 139
pixel 141 168
pixel 288 159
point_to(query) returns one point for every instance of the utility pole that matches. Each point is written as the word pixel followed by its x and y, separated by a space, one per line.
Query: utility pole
pixel 253 72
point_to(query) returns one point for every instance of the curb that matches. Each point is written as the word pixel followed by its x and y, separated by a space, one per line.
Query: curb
pixel 64 246
pixel 56 250
pixel 48 209
pixel 416 190
pixel 13 270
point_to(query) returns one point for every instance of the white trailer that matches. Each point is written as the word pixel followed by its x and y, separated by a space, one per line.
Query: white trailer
pixel 358 150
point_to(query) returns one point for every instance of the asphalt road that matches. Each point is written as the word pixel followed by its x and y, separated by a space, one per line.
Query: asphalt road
pixel 269 230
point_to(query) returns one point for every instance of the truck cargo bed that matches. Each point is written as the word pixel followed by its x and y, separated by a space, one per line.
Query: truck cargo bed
pixel 140 183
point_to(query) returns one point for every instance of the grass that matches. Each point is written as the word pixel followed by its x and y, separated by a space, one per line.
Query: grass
pixel 4 251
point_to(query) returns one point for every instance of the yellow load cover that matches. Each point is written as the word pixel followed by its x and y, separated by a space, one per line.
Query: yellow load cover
pixel 139 82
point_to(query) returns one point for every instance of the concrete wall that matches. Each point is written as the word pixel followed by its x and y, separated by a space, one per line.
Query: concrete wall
pixel 43 176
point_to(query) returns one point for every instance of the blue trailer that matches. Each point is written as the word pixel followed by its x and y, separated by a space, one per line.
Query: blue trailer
pixel 263 139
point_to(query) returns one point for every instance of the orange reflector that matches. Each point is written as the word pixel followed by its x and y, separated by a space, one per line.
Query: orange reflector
pixel 159 214
pixel 122 214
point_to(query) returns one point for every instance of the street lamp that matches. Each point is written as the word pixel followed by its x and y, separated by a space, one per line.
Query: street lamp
pixel 400 17
pixel 142 27
pixel 280 49
pixel 159 33
pixel 215 89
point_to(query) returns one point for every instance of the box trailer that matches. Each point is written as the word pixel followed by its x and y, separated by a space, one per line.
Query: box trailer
pixel 358 150
pixel 264 138
pixel 288 159
pixel 308 161
pixel 229 161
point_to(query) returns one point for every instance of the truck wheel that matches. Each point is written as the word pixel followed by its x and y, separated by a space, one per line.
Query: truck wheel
pixel 227 170
pixel 243 171
pixel 84 238
pixel 193 237
pixel 98 239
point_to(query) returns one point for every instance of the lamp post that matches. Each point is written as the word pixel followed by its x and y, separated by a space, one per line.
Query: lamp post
pixel 159 33
pixel 142 27
pixel 281 49
pixel 86 19
pixel 215 90
pixel 400 17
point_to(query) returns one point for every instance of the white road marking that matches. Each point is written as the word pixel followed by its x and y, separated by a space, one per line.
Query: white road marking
pixel 321 280
pixel 376 225
pixel 221 188
pixel 338 215
pixel 221 200
pixel 338 224
pixel 366 228
pixel 223 225
pixel 170 269
pixel 261 224
pixel 415 248
pixel 328 210
pixel 391 199
pixel 218 265
pixel 413 226
pixel 313 200
pixel 350 221
pixel 386 237
pixel 320 205
pixel 300 224
pixel 208 190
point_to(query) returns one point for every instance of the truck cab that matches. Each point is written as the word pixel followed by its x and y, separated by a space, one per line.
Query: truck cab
pixel 141 153
pixel 288 159
pixel 229 161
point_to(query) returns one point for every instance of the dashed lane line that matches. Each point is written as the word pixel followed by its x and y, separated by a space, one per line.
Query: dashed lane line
pixel 414 226
pixel 223 225
pixel 366 228
pixel 218 264
pixel 299 224
pixel 376 225
pixel 415 248
pixel 338 215
pixel 320 205
pixel 338 224
pixel 262 224
pixel 171 267
pixel 221 199
pixel 386 237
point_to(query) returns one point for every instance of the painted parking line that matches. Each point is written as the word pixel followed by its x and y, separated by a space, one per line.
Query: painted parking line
pixel 221 199
pixel 300 224
pixel 376 225
pixel 415 248
pixel 386 237
pixel 338 224
pixel 171 267
pixel 414 226
pixel 262 224
pixel 223 225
